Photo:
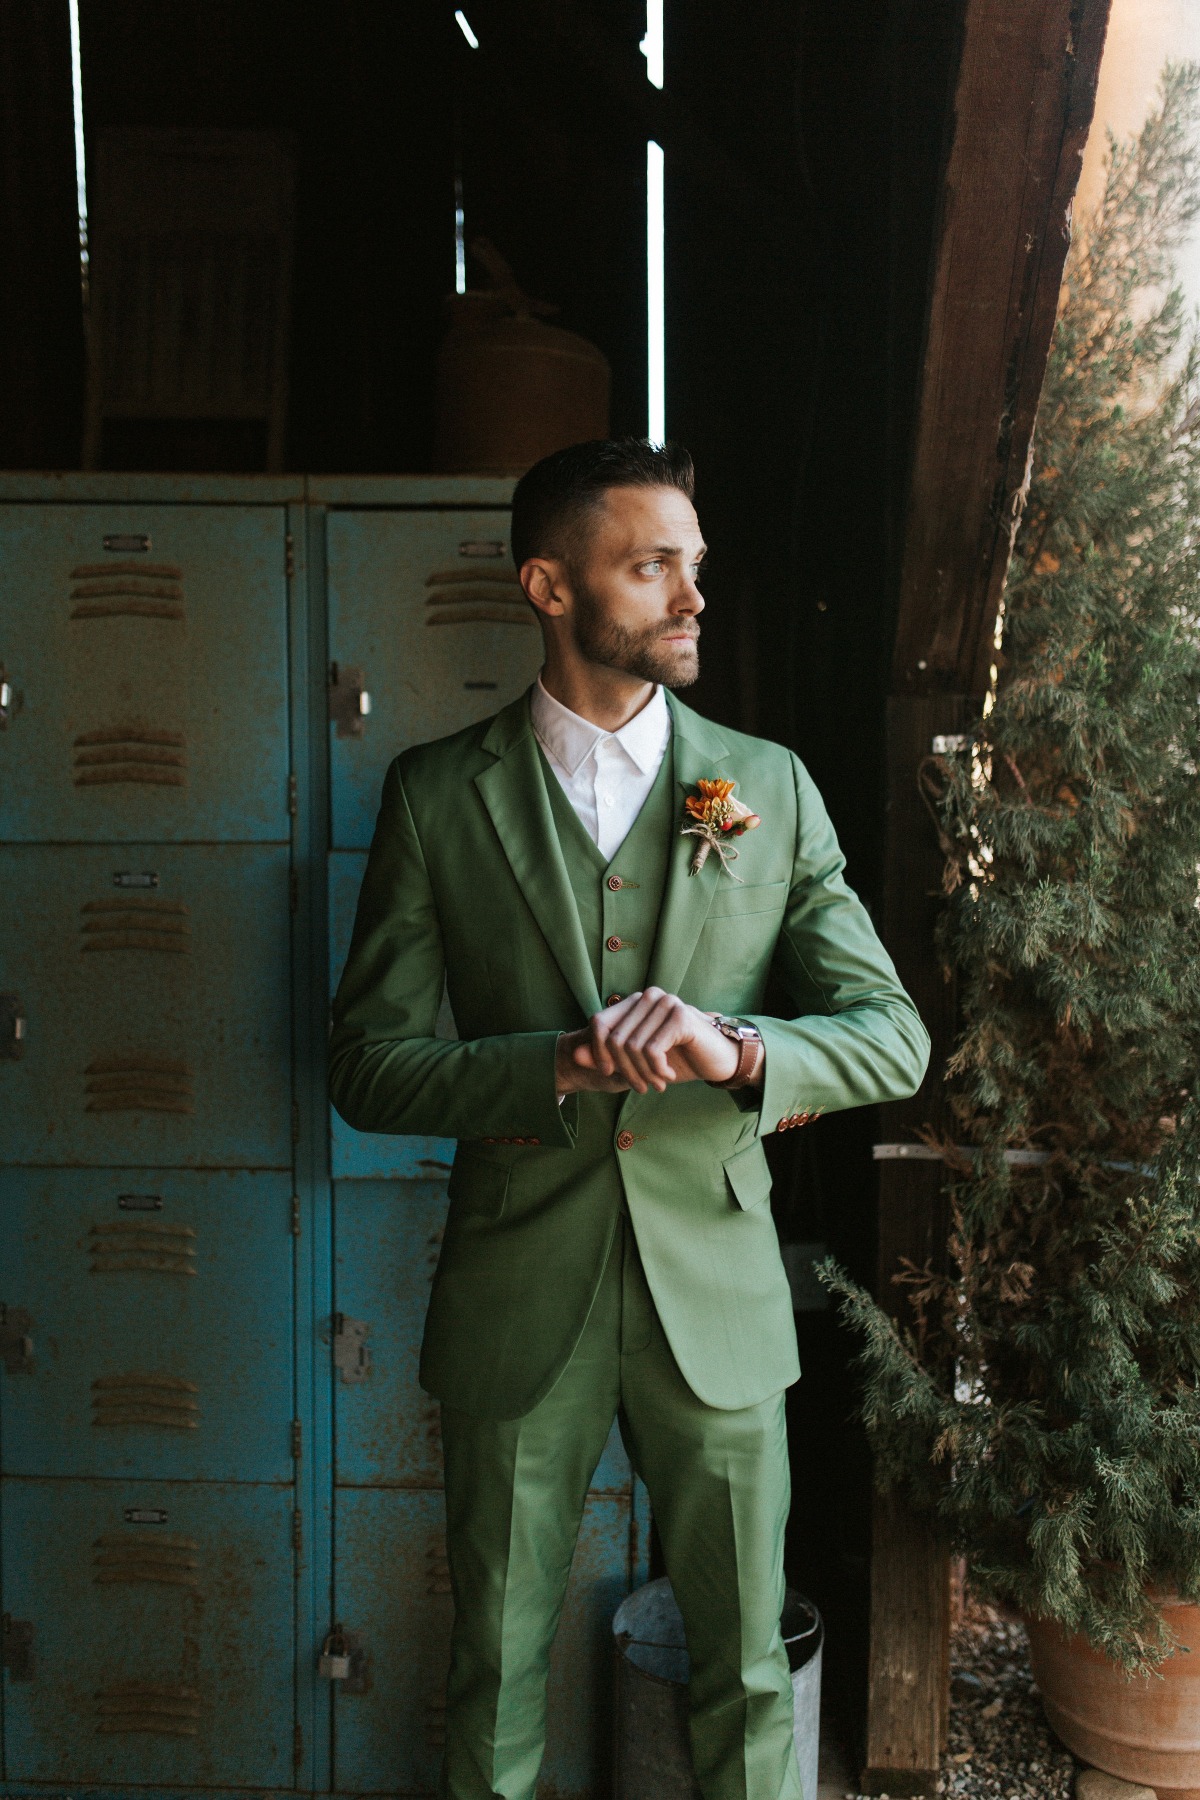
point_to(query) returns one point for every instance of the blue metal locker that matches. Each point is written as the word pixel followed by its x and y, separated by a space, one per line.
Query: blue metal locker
pixel 213 1447
pixel 150 1533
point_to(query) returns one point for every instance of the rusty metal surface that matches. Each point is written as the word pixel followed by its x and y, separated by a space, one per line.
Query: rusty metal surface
pixel 147 1361
pixel 167 1044
pixel 212 680
pixel 142 1679
pixel 388 574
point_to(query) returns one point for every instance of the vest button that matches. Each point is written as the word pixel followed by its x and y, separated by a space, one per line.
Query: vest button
pixel 615 882
pixel 612 943
pixel 613 998
pixel 624 1140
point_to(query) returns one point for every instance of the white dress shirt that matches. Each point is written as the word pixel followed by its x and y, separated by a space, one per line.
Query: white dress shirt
pixel 606 775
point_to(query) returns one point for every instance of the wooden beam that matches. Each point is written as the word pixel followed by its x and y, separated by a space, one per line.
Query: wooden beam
pixel 1023 105
pixel 909 1673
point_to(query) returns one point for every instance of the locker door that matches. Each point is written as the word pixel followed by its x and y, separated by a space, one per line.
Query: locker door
pixel 153 983
pixel 147 651
pixel 427 608
pixel 158 1305
pixel 161 1620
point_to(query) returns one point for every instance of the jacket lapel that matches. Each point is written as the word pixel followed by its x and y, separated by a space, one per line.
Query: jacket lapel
pixel 698 748
pixel 514 793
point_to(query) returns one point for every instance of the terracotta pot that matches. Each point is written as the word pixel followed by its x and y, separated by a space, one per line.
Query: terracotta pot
pixel 511 390
pixel 1145 1729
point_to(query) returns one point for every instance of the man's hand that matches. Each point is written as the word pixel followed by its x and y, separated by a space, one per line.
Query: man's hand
pixel 648 1040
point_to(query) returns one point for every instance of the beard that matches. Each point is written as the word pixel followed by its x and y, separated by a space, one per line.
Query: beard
pixel 644 653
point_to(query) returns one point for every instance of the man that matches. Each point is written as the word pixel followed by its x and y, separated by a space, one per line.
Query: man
pixel 609 1250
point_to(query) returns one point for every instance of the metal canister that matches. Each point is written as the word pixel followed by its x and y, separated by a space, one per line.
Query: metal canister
pixel 653 1759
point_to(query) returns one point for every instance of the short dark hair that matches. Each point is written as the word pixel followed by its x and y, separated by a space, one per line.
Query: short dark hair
pixel 553 497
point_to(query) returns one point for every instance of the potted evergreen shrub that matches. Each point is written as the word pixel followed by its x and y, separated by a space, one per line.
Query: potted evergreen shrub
pixel 1045 1407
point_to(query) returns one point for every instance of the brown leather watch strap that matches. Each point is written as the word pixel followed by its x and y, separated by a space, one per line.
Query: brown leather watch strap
pixel 748 1049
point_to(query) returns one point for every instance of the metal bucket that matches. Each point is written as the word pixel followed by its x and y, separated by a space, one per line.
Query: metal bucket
pixel 653 1758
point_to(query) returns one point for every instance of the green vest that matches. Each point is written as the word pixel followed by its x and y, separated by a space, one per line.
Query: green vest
pixel 618 902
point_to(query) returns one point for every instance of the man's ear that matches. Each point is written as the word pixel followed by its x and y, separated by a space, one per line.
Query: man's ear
pixel 543 580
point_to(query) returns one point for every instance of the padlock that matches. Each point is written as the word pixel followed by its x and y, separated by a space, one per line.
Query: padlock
pixel 334 1660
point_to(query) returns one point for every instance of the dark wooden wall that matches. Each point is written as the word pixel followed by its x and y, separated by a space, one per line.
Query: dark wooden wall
pixel 801 195
pixel 375 95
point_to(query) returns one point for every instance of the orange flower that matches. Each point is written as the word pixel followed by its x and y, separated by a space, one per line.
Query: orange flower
pixel 710 792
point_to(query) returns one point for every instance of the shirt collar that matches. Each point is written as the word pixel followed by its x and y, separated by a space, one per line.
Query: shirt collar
pixel 570 740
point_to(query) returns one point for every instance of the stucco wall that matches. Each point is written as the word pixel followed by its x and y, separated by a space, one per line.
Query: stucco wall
pixel 1142 34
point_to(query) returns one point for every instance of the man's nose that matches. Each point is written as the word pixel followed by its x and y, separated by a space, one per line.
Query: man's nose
pixel 687 598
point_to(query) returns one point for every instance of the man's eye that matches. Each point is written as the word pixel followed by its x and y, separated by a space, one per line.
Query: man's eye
pixel 652 568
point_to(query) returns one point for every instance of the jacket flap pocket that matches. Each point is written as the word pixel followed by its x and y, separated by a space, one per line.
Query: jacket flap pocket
pixel 732 901
pixel 749 1177
pixel 478 1184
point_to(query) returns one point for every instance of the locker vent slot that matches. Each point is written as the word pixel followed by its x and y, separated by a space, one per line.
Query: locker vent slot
pixel 146 1557
pixel 136 924
pixel 437 1570
pixel 476 597
pixel 130 754
pixel 145 1245
pixel 148 1706
pixel 144 1399
pixel 139 1084
pixel 131 590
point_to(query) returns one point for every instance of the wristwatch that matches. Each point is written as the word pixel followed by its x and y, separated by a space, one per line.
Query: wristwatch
pixel 748 1039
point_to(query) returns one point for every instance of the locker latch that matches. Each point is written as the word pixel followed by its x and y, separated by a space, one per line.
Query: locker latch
pixel 351 1358
pixel 16 1345
pixel 344 1659
pixel 6 699
pixel 16 1647
pixel 349 701
pixel 12 1028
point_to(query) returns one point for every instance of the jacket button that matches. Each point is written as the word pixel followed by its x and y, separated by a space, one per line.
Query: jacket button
pixel 533 1140
pixel 615 882
pixel 624 1140
pixel 613 998
pixel 783 1125
pixel 612 943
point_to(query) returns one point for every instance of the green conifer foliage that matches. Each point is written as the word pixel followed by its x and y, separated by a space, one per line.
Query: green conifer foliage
pixel 1046 1404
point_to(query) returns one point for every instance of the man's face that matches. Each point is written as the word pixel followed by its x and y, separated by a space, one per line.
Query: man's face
pixel 636 604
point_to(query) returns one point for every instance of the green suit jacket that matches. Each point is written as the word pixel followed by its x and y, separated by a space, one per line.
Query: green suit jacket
pixel 466 884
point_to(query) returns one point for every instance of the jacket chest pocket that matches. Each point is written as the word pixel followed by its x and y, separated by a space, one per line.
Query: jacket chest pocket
pixel 733 902
pixel 478 1185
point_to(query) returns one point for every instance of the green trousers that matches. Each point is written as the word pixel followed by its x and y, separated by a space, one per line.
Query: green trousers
pixel 719 1486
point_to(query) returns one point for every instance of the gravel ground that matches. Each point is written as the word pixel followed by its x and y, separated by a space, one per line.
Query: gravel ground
pixel 1001 1747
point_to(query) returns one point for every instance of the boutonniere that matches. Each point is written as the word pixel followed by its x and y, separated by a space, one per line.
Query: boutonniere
pixel 716 818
